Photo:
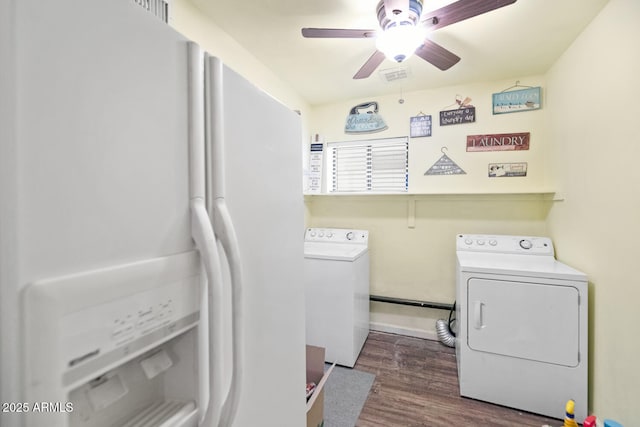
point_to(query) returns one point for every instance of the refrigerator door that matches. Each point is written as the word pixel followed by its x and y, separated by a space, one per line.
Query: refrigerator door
pixel 256 165
pixel 102 137
pixel 97 145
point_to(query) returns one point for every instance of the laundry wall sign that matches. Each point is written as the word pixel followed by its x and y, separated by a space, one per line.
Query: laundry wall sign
pixel 458 117
pixel 463 112
pixel 445 166
pixel 420 125
pixel 514 101
pixel 507 170
pixel 498 142
pixel 364 118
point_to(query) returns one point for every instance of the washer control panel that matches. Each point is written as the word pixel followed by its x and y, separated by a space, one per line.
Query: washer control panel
pixel 336 235
pixel 528 245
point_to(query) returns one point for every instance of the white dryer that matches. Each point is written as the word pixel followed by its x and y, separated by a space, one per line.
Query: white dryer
pixel 337 292
pixel 521 325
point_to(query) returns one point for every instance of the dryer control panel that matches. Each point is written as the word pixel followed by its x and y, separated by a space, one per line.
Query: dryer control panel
pixel 527 245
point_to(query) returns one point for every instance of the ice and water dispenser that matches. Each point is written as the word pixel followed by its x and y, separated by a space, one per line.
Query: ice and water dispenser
pixel 116 346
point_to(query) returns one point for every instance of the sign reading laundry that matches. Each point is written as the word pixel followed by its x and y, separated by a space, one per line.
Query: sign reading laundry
pixel 498 142
pixel 458 117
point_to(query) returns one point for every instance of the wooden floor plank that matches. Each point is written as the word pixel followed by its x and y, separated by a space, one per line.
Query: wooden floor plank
pixel 416 385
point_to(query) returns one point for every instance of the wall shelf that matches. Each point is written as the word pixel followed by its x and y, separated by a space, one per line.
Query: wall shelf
pixel 544 195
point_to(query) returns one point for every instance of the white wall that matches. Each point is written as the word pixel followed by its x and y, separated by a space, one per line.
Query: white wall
pixel 594 146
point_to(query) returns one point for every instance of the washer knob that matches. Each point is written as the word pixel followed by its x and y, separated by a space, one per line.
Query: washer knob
pixel 329 234
pixel 480 242
pixel 526 244
pixel 350 235
pixel 313 234
pixel 468 241
pixel 493 242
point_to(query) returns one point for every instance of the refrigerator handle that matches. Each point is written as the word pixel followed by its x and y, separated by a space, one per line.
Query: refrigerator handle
pixel 223 226
pixel 202 233
pixel 205 239
pixel 226 233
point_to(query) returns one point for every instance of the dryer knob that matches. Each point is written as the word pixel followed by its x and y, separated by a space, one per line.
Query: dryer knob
pixel 350 235
pixel 526 244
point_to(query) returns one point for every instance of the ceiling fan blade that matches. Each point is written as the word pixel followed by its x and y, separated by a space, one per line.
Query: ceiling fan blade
pixel 370 66
pixel 340 33
pixel 461 10
pixel 437 55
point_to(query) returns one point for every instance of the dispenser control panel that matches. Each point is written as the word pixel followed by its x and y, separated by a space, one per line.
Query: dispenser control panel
pixel 132 321
pixel 80 325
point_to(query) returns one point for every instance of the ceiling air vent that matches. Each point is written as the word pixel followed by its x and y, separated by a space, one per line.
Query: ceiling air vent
pixel 393 74
pixel 159 8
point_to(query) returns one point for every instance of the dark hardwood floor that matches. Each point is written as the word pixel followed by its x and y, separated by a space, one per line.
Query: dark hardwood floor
pixel 416 385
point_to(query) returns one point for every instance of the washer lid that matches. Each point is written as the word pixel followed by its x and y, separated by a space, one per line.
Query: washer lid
pixel 334 251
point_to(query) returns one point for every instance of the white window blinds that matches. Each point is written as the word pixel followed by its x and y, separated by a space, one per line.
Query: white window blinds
pixel 379 165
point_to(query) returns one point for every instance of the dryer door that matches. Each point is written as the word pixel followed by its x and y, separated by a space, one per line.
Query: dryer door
pixel 534 321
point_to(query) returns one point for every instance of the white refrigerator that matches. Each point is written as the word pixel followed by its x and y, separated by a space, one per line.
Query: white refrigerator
pixel 151 216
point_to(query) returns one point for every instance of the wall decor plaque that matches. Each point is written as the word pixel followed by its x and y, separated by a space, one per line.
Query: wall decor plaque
pixel 458 117
pixel 507 170
pixel 445 166
pixel 364 118
pixel 514 101
pixel 420 125
pixel 498 142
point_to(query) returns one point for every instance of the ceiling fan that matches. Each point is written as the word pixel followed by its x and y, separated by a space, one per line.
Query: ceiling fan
pixel 404 28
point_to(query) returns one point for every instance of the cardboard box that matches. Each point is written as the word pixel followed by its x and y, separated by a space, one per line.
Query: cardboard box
pixel 316 374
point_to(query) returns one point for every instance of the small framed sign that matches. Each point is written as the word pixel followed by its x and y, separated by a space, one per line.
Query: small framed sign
pixel 420 125
pixel 315 167
pixel 458 117
pixel 515 101
pixel 498 142
pixel 507 170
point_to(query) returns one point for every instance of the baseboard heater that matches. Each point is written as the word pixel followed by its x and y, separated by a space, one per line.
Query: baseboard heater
pixel 415 303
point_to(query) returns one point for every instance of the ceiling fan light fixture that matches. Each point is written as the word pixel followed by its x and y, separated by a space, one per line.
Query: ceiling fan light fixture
pixel 399 42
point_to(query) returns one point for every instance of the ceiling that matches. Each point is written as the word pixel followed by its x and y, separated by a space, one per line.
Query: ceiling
pixel 516 41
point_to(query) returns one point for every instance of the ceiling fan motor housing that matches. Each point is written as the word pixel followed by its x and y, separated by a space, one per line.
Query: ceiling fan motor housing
pixel 399 17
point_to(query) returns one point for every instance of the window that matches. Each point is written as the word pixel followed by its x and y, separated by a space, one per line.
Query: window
pixel 379 165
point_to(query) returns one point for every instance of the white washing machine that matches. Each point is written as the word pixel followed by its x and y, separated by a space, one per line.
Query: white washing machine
pixel 337 291
pixel 522 325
